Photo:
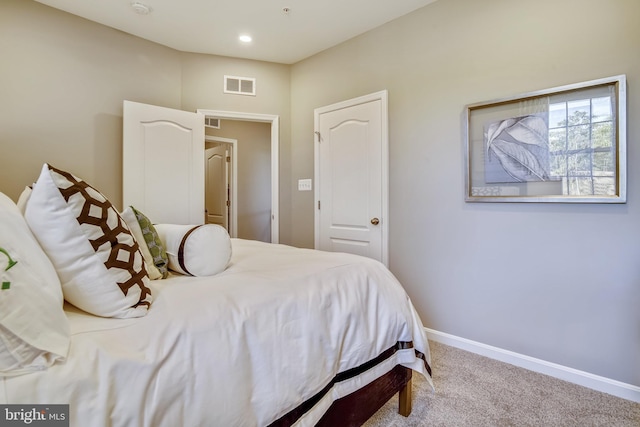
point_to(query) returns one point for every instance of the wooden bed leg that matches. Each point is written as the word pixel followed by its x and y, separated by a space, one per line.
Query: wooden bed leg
pixel 404 407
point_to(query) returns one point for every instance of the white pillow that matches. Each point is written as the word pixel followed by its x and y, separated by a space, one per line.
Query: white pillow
pixel 23 199
pixel 97 258
pixel 34 331
pixel 129 217
pixel 200 250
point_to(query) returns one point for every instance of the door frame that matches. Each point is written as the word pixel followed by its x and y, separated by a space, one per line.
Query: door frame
pixel 383 97
pixel 233 232
pixel 275 144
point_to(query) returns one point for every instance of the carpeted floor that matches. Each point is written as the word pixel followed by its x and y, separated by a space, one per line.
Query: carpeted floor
pixel 473 390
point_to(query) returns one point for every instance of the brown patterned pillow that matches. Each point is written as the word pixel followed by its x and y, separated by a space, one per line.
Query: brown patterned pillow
pixel 95 255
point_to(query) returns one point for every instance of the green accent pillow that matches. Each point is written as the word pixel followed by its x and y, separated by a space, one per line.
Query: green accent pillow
pixel 11 263
pixel 155 245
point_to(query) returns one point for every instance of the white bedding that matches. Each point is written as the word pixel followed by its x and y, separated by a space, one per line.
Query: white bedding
pixel 241 348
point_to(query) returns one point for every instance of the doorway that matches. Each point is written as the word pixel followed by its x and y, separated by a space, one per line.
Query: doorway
pixel 252 167
pixel 149 138
pixel 221 178
pixel 274 121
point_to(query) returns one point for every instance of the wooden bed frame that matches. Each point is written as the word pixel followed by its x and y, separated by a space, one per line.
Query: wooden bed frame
pixel 356 408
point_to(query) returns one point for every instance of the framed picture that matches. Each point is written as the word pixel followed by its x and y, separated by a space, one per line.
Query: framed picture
pixel 566 144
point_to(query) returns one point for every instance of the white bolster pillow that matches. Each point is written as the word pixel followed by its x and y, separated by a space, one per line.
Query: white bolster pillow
pixel 196 250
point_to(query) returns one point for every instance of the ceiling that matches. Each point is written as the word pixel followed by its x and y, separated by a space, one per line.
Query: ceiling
pixel 284 31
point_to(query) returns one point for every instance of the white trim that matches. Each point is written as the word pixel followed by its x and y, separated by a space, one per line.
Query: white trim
pixel 275 156
pixel 585 379
pixel 382 96
pixel 234 179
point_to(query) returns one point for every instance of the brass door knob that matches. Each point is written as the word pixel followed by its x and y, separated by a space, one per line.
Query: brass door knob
pixel 375 221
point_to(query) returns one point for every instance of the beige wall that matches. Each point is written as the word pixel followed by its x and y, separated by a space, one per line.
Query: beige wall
pixel 202 87
pixel 63 82
pixel 254 176
pixel 555 282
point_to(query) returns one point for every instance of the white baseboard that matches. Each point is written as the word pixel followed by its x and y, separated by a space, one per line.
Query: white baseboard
pixel 585 379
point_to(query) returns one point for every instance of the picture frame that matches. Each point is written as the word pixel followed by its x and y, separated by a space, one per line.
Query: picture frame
pixel 566 144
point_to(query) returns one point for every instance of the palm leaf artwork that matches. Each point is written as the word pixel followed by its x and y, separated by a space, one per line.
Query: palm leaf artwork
pixel 521 147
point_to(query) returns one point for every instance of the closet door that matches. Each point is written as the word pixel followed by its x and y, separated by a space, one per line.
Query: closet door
pixel 163 163
pixel 351 164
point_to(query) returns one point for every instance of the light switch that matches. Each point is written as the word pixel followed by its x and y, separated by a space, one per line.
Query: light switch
pixel 304 185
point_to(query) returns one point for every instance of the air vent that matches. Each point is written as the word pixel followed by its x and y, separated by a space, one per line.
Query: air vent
pixel 212 122
pixel 240 85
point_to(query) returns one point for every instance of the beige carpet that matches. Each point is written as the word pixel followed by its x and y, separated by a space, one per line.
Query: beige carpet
pixel 473 390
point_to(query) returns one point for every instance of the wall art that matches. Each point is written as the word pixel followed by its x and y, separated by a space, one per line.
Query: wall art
pixel 566 144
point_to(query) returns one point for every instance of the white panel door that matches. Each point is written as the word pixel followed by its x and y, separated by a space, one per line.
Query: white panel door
pixel 352 177
pixel 163 163
pixel 217 185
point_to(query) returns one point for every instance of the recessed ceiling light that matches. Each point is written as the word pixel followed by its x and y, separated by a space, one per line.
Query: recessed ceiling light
pixel 245 38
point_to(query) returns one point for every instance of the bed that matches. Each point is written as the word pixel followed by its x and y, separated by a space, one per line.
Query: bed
pixel 280 336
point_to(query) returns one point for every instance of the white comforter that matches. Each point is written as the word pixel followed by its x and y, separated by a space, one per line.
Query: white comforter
pixel 241 348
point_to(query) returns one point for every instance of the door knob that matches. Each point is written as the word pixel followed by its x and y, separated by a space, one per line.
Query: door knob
pixel 375 221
